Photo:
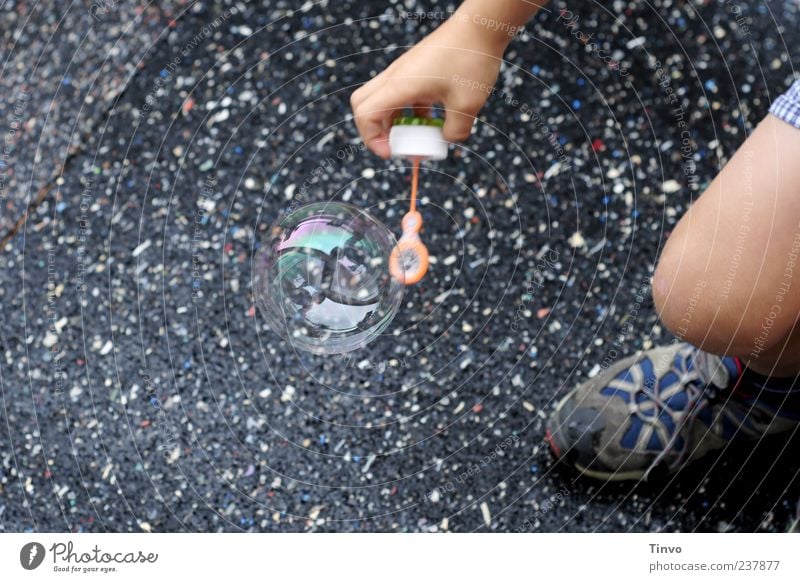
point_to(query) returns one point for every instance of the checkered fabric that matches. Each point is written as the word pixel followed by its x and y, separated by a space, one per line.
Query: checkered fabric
pixel 787 106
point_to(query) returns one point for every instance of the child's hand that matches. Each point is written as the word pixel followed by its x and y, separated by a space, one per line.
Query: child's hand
pixel 456 66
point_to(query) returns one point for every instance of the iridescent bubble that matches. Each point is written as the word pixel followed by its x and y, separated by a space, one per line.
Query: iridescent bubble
pixel 322 279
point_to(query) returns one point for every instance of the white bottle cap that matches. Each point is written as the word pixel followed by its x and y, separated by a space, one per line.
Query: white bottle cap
pixel 418 137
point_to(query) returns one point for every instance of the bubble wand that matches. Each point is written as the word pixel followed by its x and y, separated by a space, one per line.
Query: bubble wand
pixel 417 138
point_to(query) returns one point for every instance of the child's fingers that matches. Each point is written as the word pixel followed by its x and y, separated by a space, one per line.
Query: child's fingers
pixel 373 125
pixel 371 87
pixel 375 133
pixel 367 89
pixel 374 116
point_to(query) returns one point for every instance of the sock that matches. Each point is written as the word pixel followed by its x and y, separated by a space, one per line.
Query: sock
pixel 782 394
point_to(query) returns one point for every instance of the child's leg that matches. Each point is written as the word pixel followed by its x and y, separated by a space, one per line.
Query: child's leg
pixel 729 277
pixel 782 359
pixel 729 281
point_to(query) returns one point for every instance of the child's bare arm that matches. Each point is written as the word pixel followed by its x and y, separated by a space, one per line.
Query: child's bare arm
pixel 456 66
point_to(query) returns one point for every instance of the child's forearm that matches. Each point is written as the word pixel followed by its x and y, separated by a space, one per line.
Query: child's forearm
pixel 499 20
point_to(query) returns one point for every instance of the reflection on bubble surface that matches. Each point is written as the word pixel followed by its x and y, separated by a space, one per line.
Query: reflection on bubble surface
pixel 322 280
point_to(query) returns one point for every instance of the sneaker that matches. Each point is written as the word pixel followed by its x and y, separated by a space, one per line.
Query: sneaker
pixel 664 408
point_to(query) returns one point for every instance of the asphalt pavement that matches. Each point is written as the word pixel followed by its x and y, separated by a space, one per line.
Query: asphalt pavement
pixel 153 145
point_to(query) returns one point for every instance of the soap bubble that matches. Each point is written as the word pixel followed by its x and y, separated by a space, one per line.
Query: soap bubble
pixel 322 279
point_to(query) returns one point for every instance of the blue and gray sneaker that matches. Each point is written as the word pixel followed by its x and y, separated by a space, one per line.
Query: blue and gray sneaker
pixel 664 408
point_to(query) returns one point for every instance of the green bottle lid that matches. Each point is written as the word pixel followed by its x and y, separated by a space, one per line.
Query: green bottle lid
pixel 430 121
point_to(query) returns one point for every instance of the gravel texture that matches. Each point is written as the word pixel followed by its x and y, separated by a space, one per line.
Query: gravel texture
pixel 141 389
pixel 62 69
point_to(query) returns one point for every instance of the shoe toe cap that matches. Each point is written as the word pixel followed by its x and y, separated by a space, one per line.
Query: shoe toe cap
pixel 576 430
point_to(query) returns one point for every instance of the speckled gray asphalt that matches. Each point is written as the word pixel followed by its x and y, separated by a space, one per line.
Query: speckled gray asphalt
pixel 152 146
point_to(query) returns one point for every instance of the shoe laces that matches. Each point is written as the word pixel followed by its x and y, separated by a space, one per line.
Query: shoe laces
pixel 702 381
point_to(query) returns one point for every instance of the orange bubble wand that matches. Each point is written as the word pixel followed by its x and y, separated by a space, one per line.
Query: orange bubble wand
pixel 417 138
pixel 408 262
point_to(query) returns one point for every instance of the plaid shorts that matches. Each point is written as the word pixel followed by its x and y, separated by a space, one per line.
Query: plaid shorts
pixel 787 106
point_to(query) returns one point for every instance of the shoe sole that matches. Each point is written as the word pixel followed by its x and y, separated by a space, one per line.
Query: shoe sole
pixel 560 452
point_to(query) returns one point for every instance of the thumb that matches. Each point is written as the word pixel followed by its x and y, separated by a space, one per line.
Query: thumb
pixel 458 123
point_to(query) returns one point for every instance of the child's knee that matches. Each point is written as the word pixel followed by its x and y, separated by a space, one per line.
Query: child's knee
pixel 681 298
pixel 694 304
